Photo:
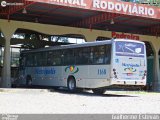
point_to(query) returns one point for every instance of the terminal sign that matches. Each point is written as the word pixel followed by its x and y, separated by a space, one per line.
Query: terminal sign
pixel 72 2
pixel 124 35
pixel 114 6
pixel 124 8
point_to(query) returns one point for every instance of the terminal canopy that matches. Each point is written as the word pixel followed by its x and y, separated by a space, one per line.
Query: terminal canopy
pixel 109 15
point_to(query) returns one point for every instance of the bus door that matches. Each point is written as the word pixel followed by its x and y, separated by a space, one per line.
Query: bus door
pixel 129 61
pixel 22 63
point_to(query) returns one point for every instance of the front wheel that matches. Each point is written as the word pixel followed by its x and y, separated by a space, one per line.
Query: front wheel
pixel 99 91
pixel 71 84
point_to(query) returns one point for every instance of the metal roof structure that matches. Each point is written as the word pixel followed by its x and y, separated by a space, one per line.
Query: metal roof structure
pixel 56 13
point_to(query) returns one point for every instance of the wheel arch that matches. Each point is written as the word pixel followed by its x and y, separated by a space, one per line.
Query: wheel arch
pixel 28 76
pixel 71 76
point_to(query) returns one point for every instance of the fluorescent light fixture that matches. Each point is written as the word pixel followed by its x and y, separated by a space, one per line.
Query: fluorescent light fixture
pixel 112 22
pixel 24 11
pixel 36 20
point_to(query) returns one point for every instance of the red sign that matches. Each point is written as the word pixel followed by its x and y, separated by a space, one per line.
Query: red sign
pixel 123 35
pixel 114 6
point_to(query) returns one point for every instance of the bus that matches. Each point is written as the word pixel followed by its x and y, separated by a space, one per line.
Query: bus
pixel 91 65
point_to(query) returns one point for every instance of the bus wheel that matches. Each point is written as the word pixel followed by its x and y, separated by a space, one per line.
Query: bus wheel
pixel 29 81
pixel 99 91
pixel 71 84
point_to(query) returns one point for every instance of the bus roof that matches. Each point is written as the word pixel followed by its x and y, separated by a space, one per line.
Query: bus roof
pixel 86 44
pixel 129 40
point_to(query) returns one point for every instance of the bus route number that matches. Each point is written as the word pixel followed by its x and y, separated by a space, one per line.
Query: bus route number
pixel 101 71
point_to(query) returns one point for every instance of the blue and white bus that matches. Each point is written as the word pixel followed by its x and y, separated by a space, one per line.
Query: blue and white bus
pixel 93 65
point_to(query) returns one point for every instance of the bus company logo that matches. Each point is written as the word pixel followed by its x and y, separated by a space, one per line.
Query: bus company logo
pixel 130 65
pixel 130 70
pixel 72 69
pixel 45 71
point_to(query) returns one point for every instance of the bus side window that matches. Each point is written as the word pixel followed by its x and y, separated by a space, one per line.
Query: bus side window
pixel 82 56
pixel 99 55
pixel 78 55
pixel 108 54
pixel 40 59
pixel 44 58
pixel 91 55
pixel 57 60
pixel 50 58
pixel 68 57
pixel 22 61
pixel 54 58
pixel 30 60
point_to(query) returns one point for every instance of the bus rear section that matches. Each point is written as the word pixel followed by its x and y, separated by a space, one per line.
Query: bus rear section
pixel 129 64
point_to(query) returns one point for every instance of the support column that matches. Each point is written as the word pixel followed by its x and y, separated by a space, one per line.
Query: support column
pixel 6 71
pixel 7 31
pixel 156 72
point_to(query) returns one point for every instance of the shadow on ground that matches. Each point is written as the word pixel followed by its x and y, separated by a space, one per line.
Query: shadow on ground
pixel 79 92
pixel 89 93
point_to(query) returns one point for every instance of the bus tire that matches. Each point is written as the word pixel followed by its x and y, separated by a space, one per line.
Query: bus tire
pixel 99 91
pixel 71 84
pixel 29 81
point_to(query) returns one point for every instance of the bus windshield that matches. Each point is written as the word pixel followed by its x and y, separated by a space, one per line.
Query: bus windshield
pixel 133 49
